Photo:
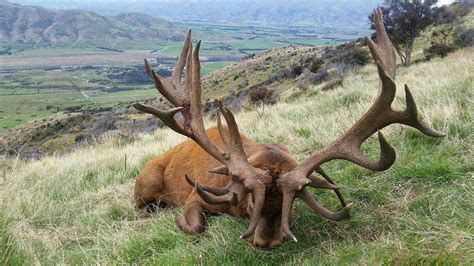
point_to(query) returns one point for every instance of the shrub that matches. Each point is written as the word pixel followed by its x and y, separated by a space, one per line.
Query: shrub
pixel 465 38
pixel 355 55
pixel 316 64
pixel 447 39
pixel 261 94
pixel 296 70
pixel 438 50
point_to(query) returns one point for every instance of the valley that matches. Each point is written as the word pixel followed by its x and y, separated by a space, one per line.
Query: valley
pixel 42 81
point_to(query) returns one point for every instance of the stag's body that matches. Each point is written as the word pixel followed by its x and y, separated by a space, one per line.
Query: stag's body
pixel 162 181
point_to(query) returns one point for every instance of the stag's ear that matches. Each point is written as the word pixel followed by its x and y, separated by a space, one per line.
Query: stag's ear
pixel 220 170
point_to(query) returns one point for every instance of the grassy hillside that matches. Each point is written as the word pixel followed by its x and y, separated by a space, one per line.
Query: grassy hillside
pixel 77 208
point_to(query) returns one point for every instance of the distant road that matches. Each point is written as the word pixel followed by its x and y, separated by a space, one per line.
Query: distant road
pixel 88 81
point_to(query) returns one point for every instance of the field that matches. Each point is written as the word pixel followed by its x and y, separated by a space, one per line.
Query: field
pixel 33 94
pixel 77 208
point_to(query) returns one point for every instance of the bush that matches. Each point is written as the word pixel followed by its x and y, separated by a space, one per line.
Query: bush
pixel 296 70
pixel 438 50
pixel 260 94
pixel 465 38
pixel 282 74
pixel 355 55
pixel 448 39
pixel 316 64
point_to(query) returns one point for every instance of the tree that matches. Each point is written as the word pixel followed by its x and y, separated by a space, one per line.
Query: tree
pixel 404 21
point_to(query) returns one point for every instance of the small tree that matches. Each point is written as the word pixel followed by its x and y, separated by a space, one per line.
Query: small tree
pixel 404 21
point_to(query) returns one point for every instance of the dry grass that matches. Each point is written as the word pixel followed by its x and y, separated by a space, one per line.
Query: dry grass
pixel 77 208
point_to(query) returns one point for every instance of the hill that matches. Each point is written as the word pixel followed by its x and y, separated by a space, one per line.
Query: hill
pixel 76 208
pixel 33 25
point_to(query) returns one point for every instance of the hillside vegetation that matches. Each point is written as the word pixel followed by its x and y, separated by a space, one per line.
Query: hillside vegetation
pixel 77 208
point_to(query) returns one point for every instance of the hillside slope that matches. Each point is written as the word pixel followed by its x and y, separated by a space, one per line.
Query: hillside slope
pixel 37 25
pixel 77 208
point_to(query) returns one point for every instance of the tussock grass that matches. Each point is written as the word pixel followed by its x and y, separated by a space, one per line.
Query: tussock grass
pixel 77 208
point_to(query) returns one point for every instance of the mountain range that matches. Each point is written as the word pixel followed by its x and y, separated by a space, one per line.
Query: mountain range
pixel 33 24
pixel 277 12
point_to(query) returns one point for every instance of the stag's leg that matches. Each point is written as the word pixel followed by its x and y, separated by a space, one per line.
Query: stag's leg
pixel 193 220
pixel 268 233
pixel 148 187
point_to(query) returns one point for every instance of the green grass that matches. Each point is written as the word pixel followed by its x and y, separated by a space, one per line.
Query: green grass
pixel 9 253
pixel 77 208
pixel 211 67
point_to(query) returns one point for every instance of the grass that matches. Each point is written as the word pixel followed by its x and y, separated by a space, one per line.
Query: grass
pixel 211 67
pixel 77 208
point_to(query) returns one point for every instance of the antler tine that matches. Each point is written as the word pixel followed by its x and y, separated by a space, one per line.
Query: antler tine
pixel 320 209
pixel 214 190
pixel 171 90
pixel 231 197
pixel 221 131
pixel 258 192
pixel 387 156
pixel 347 147
pixel 166 116
pixel 234 144
pixel 412 113
pixel 232 193
pixel 383 51
pixel 320 171
pixel 192 111
pixel 317 182
pixel 178 70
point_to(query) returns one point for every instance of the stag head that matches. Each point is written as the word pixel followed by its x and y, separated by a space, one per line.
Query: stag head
pixel 271 193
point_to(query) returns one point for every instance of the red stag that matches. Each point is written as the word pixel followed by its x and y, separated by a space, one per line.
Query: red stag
pixel 221 171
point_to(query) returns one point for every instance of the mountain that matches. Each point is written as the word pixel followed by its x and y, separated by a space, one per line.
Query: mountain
pixel 33 24
pixel 314 13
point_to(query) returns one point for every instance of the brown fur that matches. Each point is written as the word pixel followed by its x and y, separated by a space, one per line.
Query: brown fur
pixel 162 181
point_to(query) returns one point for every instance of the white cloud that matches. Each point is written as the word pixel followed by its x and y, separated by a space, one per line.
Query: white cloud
pixel 444 2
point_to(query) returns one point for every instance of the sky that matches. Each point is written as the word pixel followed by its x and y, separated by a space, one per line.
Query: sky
pixel 440 2
pixel 134 1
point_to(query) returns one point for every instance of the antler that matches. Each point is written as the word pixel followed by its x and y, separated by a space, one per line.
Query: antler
pixel 187 99
pixel 348 146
